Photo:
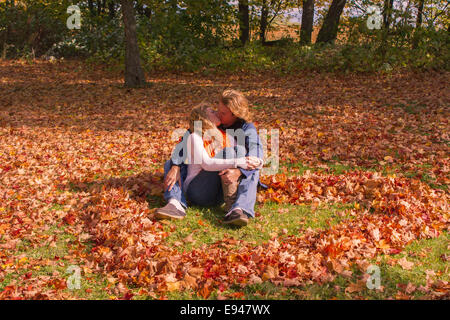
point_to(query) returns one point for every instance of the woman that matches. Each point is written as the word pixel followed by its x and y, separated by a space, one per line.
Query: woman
pixel 208 152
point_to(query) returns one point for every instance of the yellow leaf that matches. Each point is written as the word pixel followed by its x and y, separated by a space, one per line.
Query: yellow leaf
pixel 388 159
pixel 173 286
pixel 383 245
pixel 25 259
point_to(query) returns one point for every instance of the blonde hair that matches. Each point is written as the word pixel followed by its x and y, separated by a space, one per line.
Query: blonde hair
pixel 199 113
pixel 237 103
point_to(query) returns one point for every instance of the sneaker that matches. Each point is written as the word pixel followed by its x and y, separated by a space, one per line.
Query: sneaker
pixel 169 211
pixel 236 217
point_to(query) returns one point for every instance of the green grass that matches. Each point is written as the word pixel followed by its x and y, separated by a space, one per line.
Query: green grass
pixel 204 225
pixel 423 173
pixel 59 256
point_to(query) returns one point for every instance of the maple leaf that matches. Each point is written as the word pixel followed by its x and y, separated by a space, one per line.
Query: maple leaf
pixel 355 287
pixel 405 264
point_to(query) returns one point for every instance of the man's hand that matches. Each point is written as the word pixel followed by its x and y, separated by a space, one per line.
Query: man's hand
pixel 172 177
pixel 253 162
pixel 230 175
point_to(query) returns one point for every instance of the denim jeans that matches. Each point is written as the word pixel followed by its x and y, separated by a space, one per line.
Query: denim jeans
pixel 206 189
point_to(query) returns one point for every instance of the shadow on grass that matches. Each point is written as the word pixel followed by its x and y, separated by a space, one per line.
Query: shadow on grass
pixel 215 215
pixel 143 187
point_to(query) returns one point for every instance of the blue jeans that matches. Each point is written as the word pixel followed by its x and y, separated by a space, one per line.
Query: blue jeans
pixel 176 192
pixel 246 194
pixel 206 189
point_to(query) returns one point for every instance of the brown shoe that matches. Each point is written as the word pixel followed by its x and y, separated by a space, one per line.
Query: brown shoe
pixel 169 211
pixel 236 217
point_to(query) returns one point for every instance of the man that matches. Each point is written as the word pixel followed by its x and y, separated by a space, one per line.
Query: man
pixel 239 185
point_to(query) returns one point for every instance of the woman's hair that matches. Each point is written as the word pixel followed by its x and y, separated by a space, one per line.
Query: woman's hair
pixel 199 113
pixel 237 103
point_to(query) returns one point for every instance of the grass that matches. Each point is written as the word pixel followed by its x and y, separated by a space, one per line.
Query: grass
pixel 423 172
pixel 53 260
pixel 204 226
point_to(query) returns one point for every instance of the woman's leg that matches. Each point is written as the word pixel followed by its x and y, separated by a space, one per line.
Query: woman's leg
pixel 176 192
pixel 205 189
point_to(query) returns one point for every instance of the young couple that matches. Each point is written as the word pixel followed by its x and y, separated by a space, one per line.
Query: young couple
pixel 218 160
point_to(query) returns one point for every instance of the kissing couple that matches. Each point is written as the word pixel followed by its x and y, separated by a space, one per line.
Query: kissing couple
pixel 218 160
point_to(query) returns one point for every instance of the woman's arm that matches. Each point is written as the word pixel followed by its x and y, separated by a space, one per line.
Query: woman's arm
pixel 198 155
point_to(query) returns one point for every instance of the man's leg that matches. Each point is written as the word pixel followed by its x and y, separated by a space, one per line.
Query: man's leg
pixel 246 194
pixel 230 189
pixel 244 206
pixel 176 206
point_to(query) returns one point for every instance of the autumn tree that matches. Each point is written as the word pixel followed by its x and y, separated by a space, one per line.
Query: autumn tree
pixel 269 10
pixel 244 22
pixel 328 32
pixel 307 21
pixel 387 13
pixel 419 13
pixel 134 75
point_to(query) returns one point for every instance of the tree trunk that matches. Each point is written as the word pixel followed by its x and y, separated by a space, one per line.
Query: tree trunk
pixel 111 9
pixel 244 22
pixel 91 7
pixel 416 37
pixel 99 7
pixel 134 75
pixel 307 22
pixel 263 23
pixel 419 13
pixel 328 32
pixel 387 13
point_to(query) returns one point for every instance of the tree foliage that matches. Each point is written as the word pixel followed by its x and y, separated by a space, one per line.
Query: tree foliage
pixel 205 34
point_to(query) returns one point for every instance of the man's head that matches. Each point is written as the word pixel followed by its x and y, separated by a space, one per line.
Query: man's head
pixel 233 106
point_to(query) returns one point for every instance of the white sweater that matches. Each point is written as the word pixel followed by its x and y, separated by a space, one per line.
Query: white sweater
pixel 198 160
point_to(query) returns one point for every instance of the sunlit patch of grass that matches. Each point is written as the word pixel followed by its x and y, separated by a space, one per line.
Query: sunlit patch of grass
pixel 204 225
pixel 53 260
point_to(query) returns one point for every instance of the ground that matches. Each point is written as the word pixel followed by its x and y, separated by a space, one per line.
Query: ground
pixel 362 181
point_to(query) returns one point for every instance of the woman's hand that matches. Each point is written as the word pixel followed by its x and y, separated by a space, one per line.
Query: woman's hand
pixel 172 177
pixel 253 162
